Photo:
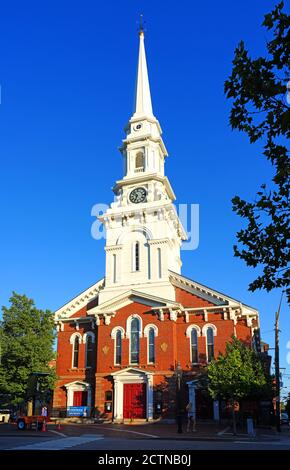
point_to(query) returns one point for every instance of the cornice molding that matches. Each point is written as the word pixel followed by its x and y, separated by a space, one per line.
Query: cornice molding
pixel 74 305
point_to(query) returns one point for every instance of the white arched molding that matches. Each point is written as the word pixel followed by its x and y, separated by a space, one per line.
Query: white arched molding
pixel 115 330
pixel 207 326
pixel 73 337
pixel 130 234
pixel 128 325
pixel 91 334
pixel 193 327
pixel 147 329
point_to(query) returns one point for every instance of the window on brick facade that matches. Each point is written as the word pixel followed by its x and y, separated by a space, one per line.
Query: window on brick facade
pixel 151 346
pixel 194 346
pixel 118 348
pixel 210 344
pixel 89 351
pixel 76 348
pixel 135 341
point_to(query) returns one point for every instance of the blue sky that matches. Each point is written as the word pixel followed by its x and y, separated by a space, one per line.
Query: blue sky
pixel 67 74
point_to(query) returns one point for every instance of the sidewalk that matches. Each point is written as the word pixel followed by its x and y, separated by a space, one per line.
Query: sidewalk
pixel 204 431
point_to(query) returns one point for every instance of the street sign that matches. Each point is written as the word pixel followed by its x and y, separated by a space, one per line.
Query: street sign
pixel 81 411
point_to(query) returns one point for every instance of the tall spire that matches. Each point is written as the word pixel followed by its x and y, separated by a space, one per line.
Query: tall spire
pixel 143 105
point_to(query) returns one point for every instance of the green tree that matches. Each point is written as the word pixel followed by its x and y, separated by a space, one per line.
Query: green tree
pixel 258 88
pixel 27 336
pixel 237 374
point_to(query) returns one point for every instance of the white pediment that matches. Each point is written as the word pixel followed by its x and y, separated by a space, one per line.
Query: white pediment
pixel 131 371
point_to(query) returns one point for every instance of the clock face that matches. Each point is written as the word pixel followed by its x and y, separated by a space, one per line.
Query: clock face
pixel 138 195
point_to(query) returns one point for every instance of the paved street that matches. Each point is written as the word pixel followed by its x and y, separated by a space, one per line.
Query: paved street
pixel 109 437
pixel 99 442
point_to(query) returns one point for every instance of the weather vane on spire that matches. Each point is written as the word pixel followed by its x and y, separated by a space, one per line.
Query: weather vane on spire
pixel 141 28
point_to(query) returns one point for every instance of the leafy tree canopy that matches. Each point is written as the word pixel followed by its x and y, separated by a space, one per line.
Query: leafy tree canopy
pixel 27 336
pixel 258 88
pixel 238 373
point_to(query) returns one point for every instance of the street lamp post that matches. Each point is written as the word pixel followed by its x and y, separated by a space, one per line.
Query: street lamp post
pixel 178 373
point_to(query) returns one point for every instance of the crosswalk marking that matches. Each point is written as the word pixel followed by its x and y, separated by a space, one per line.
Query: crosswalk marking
pixel 60 444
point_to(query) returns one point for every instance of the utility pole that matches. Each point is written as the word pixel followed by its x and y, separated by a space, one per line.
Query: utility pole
pixel 277 367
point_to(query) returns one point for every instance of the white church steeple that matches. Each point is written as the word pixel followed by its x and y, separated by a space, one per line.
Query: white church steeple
pixel 143 231
pixel 142 104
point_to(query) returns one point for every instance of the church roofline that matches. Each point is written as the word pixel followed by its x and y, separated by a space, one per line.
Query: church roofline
pixel 79 301
pixel 202 289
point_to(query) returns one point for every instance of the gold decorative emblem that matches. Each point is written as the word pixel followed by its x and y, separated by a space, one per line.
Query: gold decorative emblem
pixel 106 349
pixel 164 347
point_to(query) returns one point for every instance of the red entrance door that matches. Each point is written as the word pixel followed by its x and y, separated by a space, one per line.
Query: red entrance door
pixel 134 401
pixel 80 398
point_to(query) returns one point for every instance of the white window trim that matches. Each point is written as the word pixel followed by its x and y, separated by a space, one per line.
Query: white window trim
pixel 72 342
pixel 146 335
pixel 188 334
pixel 128 325
pixel 114 337
pixel 114 332
pixel 86 335
pixel 72 338
pixel 91 334
pixel 204 332
pixel 128 334
pixel 209 325
pixel 191 327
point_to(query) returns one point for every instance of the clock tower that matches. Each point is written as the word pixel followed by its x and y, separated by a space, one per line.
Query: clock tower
pixel 143 231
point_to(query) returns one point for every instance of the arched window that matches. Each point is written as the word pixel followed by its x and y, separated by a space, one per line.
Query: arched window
pixel 137 256
pixel 118 347
pixel 139 161
pixel 210 344
pixel 151 346
pixel 76 348
pixel 194 346
pixel 134 341
pixel 89 351
pixel 193 332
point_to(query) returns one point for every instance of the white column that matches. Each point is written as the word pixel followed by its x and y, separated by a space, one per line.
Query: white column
pixel 118 399
pixel 69 392
pixel 115 415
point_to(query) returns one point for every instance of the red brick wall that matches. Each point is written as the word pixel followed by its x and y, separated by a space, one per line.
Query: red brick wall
pixel 171 345
pixel 190 300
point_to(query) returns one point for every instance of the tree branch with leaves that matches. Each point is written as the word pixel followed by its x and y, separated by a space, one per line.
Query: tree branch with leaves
pixel 258 89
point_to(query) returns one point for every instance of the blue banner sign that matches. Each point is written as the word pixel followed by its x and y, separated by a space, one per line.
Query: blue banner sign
pixel 77 411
